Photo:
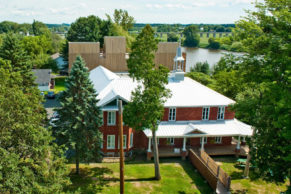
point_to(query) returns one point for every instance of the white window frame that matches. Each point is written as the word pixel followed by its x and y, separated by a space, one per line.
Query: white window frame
pixel 112 141
pixel 172 114
pixel 171 140
pixel 218 139
pixel 102 119
pixel 124 142
pixel 220 113
pixel 205 140
pixel 205 115
pixel 131 140
pixel 111 114
pixel 101 143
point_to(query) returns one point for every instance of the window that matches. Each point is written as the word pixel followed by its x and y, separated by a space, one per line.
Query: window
pixel 124 142
pixel 220 113
pixel 111 118
pixel 205 113
pixel 131 140
pixel 110 141
pixel 171 141
pixel 218 139
pixel 172 114
pixel 205 140
pixel 101 143
pixel 101 116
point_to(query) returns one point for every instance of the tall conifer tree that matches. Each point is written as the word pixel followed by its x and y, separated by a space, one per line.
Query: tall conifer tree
pixel 80 117
pixel 11 50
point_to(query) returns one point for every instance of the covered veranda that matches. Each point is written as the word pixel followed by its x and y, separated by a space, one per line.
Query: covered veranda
pixel 201 129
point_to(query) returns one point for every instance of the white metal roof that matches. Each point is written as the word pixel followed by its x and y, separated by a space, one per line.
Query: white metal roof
pixel 185 93
pixel 232 127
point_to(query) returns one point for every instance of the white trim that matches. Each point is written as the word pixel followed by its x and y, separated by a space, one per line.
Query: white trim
pixel 101 143
pixel 171 140
pixel 218 139
pixel 113 118
pixel 124 143
pixel 172 114
pixel 208 113
pixel 205 139
pixel 220 113
pixel 111 141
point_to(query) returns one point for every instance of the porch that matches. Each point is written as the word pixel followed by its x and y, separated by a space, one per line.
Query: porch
pixel 221 150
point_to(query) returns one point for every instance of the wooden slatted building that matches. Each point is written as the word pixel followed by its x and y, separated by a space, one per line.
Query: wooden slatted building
pixel 114 55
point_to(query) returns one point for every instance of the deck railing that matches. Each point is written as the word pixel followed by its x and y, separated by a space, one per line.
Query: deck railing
pixel 222 176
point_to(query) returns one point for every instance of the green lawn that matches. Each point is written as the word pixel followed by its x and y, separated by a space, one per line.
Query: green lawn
pixel 252 185
pixel 59 84
pixel 177 177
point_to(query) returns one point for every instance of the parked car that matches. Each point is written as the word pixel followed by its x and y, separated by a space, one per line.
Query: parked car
pixel 51 95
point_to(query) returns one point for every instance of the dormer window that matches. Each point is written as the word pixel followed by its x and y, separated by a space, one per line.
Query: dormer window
pixel 205 113
pixel 220 113
pixel 172 114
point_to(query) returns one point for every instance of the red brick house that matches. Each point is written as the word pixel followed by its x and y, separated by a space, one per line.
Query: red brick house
pixel 194 116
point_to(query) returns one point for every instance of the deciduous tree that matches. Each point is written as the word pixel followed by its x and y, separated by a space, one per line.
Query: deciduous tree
pixel 265 100
pixel 30 161
pixel 192 38
pixel 146 108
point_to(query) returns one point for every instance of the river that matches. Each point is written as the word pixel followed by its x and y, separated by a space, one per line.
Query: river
pixel 194 55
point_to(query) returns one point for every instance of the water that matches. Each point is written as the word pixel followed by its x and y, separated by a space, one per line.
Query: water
pixel 194 55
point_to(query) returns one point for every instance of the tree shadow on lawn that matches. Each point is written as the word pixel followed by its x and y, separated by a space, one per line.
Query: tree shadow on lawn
pixel 196 177
pixel 90 180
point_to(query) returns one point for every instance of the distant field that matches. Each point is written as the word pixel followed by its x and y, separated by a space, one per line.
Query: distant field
pixel 203 39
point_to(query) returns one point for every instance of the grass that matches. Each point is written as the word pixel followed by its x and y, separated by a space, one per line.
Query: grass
pixel 59 84
pixel 252 185
pixel 177 177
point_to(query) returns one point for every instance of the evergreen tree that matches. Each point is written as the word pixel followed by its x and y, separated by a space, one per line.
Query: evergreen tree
pixel 12 51
pixel 147 106
pixel 79 122
pixel 30 162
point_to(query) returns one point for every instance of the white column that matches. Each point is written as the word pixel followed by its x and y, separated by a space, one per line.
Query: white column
pixel 244 139
pixel 238 143
pixel 149 148
pixel 202 144
pixel 184 144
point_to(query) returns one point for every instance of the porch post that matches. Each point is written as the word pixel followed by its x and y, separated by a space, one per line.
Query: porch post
pixel 202 144
pixel 238 143
pixel 149 146
pixel 184 144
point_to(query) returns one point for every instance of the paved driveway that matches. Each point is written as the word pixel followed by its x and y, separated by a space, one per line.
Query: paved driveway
pixel 50 105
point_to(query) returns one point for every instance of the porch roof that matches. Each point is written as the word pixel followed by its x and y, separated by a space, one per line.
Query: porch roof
pixel 232 127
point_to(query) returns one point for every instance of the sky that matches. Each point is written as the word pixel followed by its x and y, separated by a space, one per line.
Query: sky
pixel 144 11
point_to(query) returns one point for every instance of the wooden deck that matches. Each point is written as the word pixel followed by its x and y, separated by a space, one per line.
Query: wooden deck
pixel 211 151
pixel 169 152
pixel 224 150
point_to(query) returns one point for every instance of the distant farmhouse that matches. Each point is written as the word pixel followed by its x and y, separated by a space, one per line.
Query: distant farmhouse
pixel 44 79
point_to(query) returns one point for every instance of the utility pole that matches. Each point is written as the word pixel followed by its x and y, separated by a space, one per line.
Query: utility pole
pixel 121 146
